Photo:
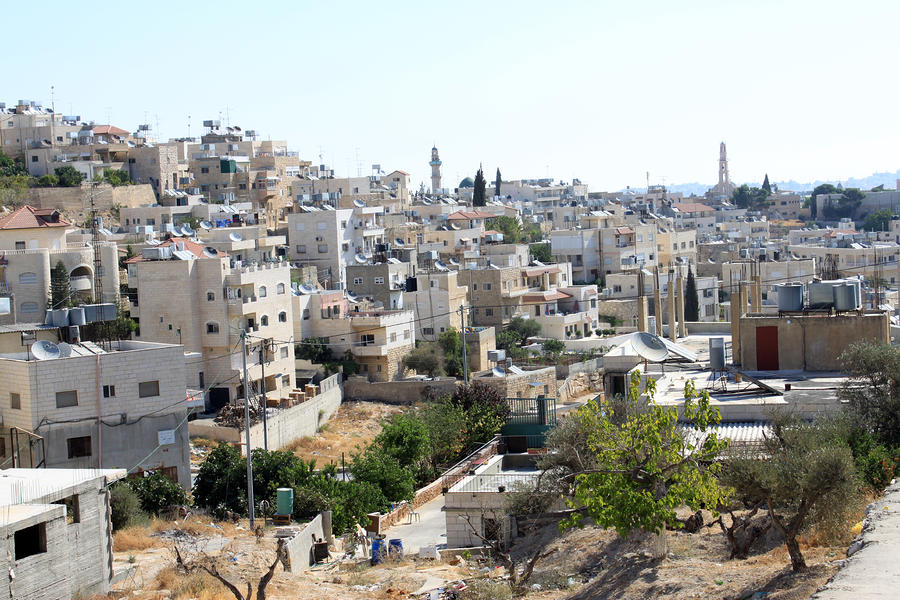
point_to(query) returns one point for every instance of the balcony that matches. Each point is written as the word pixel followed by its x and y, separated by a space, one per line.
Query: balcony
pixel 83 283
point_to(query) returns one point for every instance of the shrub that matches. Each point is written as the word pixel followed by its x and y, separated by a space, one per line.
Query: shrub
pixel 48 181
pixel 158 493
pixel 125 506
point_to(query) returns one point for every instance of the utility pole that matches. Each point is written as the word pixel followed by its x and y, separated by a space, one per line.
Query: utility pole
pixel 462 332
pixel 247 428
pixel 263 347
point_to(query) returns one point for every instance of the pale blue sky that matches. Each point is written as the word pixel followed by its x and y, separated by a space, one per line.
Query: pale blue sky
pixel 603 91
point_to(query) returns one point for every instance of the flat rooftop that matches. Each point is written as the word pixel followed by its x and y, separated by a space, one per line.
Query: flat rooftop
pixel 24 486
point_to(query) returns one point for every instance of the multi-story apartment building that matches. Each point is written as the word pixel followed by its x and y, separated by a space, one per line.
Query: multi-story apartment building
pixel 581 249
pixel 32 242
pixel 29 126
pixel 383 282
pixel 624 286
pixel 627 248
pixel 331 239
pixel 567 312
pixel 498 294
pixel 676 247
pixel 436 302
pixel 693 215
pixel 122 405
pixel 772 273
pixel 184 292
pixel 245 245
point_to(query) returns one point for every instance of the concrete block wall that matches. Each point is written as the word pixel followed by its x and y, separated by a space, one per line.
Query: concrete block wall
pixel 44 575
pixel 397 392
pixel 299 547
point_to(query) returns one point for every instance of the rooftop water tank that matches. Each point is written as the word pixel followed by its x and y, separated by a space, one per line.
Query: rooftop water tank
pixel 717 353
pixel 60 317
pixel 76 316
pixel 844 297
pixel 790 296
pixel 821 294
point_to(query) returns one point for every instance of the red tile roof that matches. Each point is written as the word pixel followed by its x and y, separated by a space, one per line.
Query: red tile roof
pixel 192 247
pixel 462 215
pixel 624 230
pixel 691 207
pixel 108 130
pixel 544 296
pixel 29 217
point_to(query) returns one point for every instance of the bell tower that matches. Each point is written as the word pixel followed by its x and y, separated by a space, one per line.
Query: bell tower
pixel 435 171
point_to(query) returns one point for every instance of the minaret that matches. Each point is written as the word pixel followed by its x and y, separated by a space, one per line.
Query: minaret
pixel 723 167
pixel 435 171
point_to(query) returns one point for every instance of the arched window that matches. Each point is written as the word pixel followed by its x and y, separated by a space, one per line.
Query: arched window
pixel 280 288
pixel 28 277
pixel 212 327
pixel 262 291
pixel 264 321
pixel 210 296
pixel 282 317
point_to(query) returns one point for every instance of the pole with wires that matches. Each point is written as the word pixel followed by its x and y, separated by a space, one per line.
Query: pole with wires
pixel 247 427
pixel 263 349
pixel 462 316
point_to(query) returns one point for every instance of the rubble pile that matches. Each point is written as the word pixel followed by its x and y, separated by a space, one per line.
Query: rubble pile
pixel 232 415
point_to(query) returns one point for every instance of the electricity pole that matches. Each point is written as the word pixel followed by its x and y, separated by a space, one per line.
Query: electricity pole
pixel 263 347
pixel 247 427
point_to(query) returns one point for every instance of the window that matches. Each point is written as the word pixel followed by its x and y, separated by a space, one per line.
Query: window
pixel 20 245
pixel 301 249
pixel 283 352
pixel 15 401
pixel 264 321
pixel 66 399
pixel 428 330
pixel 148 388
pixel 28 277
pixel 282 317
pixel 367 339
pixel 393 336
pixel 489 312
pixel 212 328
pixel 357 281
pixel 285 381
pixel 30 541
pixel 280 288
pixel 210 296
pixel 109 391
pixel 73 511
pixel 34 158
pixel 379 281
pixel 323 248
pixel 306 314
pixel 379 368
pixel 487 286
pixel 79 446
pixel 204 169
pixel 474 287
pixel 406 333
pixel 262 291
pixel 433 283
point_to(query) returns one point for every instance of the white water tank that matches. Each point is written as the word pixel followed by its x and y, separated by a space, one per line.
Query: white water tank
pixel 821 294
pixel 844 297
pixel 717 353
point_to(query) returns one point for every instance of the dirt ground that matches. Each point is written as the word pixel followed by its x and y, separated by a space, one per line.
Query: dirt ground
pixel 355 424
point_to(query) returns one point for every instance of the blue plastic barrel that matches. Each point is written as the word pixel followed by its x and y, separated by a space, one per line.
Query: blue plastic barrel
pixel 395 548
pixel 377 551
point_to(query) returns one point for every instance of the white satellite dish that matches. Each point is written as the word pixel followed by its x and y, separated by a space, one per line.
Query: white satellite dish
pixel 538 263
pixel 305 288
pixel 649 346
pixel 205 225
pixel 454 262
pixel 65 350
pixel 352 297
pixel 440 266
pixel 210 252
pixel 399 242
pixel 361 259
pixel 498 372
pixel 235 237
pixel 44 350
pixel 426 202
pixel 176 232
pixel 359 203
pixel 186 230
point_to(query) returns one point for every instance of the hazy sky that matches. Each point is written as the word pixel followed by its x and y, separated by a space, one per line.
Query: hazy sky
pixel 603 90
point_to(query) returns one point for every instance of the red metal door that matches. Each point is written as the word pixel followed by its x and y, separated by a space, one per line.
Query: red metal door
pixel 767 348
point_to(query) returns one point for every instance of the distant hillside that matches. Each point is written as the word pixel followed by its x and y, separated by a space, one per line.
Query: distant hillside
pixel 889 180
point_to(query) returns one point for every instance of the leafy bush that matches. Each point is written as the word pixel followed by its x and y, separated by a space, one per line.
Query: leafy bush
pixel 125 506
pixel 68 176
pixel 48 181
pixel 158 493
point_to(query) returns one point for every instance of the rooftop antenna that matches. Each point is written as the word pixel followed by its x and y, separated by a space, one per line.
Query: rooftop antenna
pixel 95 243
pixel 189 126
pixel 52 99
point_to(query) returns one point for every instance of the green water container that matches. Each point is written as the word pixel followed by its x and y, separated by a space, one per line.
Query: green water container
pixel 285 501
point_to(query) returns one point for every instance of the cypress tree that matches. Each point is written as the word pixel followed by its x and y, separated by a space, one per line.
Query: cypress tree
pixel 691 300
pixel 478 198
pixel 497 183
pixel 766 186
pixel 60 290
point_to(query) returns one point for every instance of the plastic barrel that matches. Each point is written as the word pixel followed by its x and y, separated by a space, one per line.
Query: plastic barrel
pixel 377 551
pixel 395 548
pixel 285 501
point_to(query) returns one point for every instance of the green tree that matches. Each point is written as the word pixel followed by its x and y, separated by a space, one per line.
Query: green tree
pixel 117 177
pixel 846 206
pixel 425 358
pixel 648 465
pixel 825 188
pixel 750 198
pixel 485 410
pixel 119 329
pixel 878 221
pixel 315 350
pixel 14 189
pixel 541 252
pixel 807 477
pixel 124 506
pixel 48 181
pixel 158 493
pixel 508 226
pixel 526 328
pixel 871 392
pixel 765 185
pixel 450 344
pixel 68 176
pixel 691 299
pixel 446 424
pixel 60 288
pixel 478 194
pixel 553 348
pixel 10 167
pixel 497 183
pixel 375 466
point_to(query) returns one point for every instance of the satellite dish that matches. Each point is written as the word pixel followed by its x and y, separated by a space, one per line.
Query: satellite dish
pixel 498 372
pixel 65 350
pixel 235 237
pixel 186 230
pixel 210 251
pixel 454 262
pixel 398 242
pixel 205 225
pixel 361 259
pixel 305 288
pixel 454 226
pixel 441 266
pixel 538 263
pixel 649 346
pixel 426 202
pixel 352 297
pixel 176 232
pixel 711 261
pixel 359 203
pixel 44 350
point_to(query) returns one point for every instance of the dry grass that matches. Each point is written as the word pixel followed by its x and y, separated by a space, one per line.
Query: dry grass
pixel 195 525
pixel 138 537
pixel 353 426
pixel 197 585
pixel 202 442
